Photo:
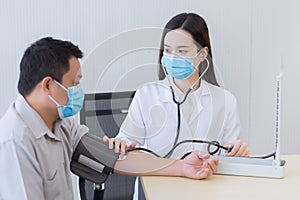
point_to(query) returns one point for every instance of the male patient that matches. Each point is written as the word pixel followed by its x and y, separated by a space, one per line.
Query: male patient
pixel 38 133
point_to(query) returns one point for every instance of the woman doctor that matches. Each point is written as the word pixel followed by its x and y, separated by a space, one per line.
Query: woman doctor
pixel 187 102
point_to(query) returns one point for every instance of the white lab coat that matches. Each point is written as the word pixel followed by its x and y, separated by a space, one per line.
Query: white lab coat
pixel 209 113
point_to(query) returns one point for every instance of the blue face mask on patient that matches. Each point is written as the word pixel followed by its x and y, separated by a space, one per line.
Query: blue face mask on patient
pixel 74 104
pixel 179 67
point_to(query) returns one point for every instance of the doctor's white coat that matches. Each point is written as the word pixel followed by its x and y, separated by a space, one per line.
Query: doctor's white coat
pixel 209 113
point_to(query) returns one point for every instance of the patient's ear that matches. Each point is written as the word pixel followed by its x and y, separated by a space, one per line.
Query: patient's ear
pixel 46 84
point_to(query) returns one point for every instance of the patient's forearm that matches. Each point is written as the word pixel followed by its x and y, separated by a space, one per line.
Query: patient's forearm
pixel 138 163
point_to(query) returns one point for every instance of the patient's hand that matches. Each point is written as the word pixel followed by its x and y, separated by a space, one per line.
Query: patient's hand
pixel 198 165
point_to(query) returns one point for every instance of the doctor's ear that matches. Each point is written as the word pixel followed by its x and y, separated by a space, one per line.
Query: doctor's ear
pixel 203 53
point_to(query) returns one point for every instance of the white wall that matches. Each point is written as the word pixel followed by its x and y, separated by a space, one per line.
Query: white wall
pixel 252 41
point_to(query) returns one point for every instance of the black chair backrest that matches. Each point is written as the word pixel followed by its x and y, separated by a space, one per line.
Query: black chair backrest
pixel 104 113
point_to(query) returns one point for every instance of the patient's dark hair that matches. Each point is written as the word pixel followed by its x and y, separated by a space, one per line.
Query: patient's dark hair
pixel 45 57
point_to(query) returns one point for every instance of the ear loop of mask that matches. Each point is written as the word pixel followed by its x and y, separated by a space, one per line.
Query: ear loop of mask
pixel 58 83
pixel 57 104
pixel 52 97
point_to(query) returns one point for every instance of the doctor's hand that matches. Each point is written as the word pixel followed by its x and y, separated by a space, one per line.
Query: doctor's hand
pixel 119 145
pixel 197 166
pixel 240 148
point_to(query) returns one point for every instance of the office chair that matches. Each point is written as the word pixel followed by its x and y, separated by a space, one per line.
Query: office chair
pixel 104 113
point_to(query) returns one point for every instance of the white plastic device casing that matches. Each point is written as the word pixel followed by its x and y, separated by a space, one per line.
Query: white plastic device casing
pixel 258 167
pixel 245 166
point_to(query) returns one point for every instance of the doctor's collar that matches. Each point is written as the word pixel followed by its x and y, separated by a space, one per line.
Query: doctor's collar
pixel 167 96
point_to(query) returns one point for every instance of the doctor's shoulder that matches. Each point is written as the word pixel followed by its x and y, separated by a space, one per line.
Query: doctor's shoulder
pixel 152 89
pixel 222 94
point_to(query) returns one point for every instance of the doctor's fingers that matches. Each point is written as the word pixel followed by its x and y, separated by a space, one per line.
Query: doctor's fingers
pixel 132 145
pixel 105 138
pixel 110 141
pixel 240 148
pixel 236 146
pixel 119 145
pixel 243 150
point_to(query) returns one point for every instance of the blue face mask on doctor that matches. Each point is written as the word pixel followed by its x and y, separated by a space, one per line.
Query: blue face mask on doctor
pixel 74 104
pixel 179 67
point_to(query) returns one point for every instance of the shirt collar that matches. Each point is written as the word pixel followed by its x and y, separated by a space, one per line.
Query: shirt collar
pixel 32 119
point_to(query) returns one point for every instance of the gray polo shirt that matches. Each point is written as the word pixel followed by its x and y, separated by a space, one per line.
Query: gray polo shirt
pixel 34 162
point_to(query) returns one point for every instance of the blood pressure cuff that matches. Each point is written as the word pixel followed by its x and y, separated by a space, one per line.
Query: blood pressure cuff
pixel 92 159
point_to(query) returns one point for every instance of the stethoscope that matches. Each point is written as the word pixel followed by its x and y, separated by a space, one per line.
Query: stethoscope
pixel 178 103
pixel 213 146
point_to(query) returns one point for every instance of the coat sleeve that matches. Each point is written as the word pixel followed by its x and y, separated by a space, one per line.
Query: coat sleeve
pixel 133 127
pixel 232 127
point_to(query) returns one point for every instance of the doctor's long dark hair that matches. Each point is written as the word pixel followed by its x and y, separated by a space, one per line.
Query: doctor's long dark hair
pixel 196 26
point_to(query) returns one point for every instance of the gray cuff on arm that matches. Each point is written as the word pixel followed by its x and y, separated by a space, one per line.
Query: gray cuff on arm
pixel 92 159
